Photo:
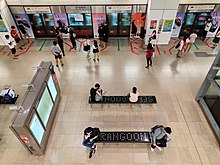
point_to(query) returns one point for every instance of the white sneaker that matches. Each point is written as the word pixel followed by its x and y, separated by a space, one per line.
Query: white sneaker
pixel 159 148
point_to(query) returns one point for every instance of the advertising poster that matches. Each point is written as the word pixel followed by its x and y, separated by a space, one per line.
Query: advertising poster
pixel 62 17
pixel 97 19
pixel 160 26
pixel 168 23
pixel 25 22
pixel 139 20
pixel 177 24
pixel 2 26
pixel 153 24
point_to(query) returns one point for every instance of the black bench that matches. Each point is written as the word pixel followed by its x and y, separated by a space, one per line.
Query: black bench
pixel 125 137
pixel 125 100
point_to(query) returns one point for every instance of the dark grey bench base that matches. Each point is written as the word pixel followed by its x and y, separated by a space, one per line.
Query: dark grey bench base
pixel 125 137
pixel 125 100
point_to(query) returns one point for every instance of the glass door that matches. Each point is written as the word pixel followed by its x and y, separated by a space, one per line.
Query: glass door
pixel 48 21
pixel 37 25
pixel 124 24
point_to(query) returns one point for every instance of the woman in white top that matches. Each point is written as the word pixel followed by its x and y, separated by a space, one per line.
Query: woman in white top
pixel 86 47
pixel 133 96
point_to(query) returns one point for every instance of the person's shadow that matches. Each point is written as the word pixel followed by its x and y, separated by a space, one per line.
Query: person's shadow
pixel 173 66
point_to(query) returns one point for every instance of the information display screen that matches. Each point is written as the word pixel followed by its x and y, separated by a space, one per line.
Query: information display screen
pixel 190 19
pixel 52 88
pixel 36 128
pixel 45 106
pixel 76 19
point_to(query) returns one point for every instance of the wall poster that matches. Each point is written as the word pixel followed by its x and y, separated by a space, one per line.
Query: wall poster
pixel 25 22
pixel 139 20
pixel 168 23
pixel 62 17
pixel 97 19
pixel 177 24
pixel 153 24
pixel 2 26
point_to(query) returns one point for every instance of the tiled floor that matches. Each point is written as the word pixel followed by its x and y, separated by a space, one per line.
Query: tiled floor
pixel 174 82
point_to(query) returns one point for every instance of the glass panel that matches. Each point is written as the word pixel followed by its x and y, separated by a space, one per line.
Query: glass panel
pixel 88 20
pixel 218 73
pixel 113 19
pixel 37 20
pixel 98 9
pixel 58 9
pixel 52 88
pixel 36 128
pixel 48 20
pixel 17 10
pixel 218 82
pixel 45 106
pixel 125 19
pixel 213 102
pixel 76 19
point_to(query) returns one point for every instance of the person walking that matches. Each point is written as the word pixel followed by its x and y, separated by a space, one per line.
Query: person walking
pixel 208 25
pixel 192 38
pixel 133 30
pixel 216 38
pixel 90 135
pixel 16 37
pixel 101 35
pixel 142 36
pixel 57 53
pixel 72 36
pixel 24 32
pixel 95 48
pixel 149 54
pixel 181 47
pixel 86 47
pixel 11 44
pixel 159 136
pixel 60 43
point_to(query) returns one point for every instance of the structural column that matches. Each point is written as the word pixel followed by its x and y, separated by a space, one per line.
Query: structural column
pixel 160 17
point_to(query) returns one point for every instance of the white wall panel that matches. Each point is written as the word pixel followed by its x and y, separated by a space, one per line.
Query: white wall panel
pixel 199 1
pixel 35 2
pixel 2 4
pixel 157 4
pixel 171 4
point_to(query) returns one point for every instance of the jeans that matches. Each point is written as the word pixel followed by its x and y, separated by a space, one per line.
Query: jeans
pixel 88 143
pixel 149 60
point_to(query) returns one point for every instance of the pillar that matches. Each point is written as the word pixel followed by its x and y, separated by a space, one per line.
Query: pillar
pixel 160 17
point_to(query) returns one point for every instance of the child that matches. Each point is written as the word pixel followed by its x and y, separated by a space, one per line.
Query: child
pixel 95 48
pixel 57 53
pixel 11 44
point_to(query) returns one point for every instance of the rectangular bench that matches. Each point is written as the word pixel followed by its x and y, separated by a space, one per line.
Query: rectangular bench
pixel 124 137
pixel 125 100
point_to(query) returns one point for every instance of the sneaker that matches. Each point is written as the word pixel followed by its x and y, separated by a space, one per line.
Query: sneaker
pixel 21 48
pixel 94 60
pixel 150 64
pixel 15 58
pixel 98 59
pixel 57 66
pixel 62 65
pixel 159 148
pixel 178 57
pixel 95 149
pixel 90 154
pixel 147 67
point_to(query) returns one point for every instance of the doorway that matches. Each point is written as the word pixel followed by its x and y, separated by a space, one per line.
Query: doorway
pixel 42 25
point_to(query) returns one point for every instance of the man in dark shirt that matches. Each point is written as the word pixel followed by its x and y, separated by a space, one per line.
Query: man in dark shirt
pixel 24 31
pixel 90 134
pixel 93 92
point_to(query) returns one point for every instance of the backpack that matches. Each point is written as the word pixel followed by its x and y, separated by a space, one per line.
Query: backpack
pixel 7 98
pixel 177 45
pixel 98 132
pixel 155 127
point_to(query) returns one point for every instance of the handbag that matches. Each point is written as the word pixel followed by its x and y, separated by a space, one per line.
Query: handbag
pixel 7 98
pixel 213 28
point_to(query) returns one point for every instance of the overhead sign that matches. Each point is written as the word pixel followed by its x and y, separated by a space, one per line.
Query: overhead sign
pixel 78 9
pixel 200 8
pixel 37 9
pixel 118 9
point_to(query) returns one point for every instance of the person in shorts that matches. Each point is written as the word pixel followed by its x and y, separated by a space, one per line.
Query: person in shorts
pixel 86 47
pixel 192 39
pixel 24 31
pixel 14 34
pixel 57 53
pixel 95 48
pixel 11 44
